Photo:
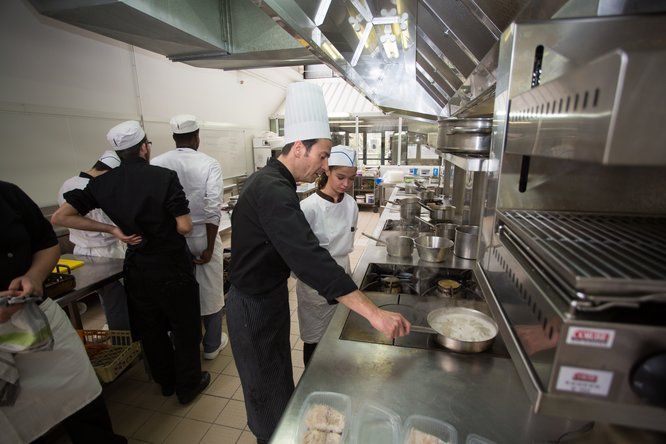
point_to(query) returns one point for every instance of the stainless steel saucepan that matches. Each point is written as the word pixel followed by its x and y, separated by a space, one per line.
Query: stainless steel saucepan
pixel 442 229
pixel 433 248
pixel 440 212
pixel 398 246
pixel 437 318
pixel 410 207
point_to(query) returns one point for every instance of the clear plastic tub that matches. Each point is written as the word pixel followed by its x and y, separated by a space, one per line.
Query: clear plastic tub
pixel 376 425
pixel 338 401
pixel 473 438
pixel 439 429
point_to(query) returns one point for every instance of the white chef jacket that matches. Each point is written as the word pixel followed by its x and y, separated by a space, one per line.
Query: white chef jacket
pixel 334 224
pixel 90 239
pixel 201 178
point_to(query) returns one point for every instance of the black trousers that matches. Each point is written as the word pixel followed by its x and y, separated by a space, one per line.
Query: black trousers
pixel 259 335
pixel 308 350
pixel 90 424
pixel 162 296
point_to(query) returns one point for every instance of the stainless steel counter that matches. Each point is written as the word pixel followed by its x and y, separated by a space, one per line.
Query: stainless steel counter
pixel 479 394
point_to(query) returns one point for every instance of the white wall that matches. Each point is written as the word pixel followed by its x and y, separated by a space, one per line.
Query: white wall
pixel 62 88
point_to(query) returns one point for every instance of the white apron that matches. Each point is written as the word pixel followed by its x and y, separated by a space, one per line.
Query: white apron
pixel 209 276
pixel 115 250
pixel 334 225
pixel 54 384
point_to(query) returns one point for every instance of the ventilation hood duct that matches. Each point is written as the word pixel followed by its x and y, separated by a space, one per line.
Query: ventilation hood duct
pixel 425 58
pixel 224 34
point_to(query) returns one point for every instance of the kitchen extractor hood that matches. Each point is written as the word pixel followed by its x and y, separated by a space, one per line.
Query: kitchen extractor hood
pixel 225 34
pixel 415 57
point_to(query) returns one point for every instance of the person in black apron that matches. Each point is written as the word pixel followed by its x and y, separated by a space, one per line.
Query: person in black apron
pixel 270 236
pixel 163 294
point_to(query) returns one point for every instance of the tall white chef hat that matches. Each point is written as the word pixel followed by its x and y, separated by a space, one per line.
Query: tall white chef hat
pixel 125 135
pixel 342 155
pixel 184 123
pixel 110 159
pixel 305 115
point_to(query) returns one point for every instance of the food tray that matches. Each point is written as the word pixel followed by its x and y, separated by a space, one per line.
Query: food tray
pixel 376 424
pixel 338 401
pixel 110 351
pixel 440 429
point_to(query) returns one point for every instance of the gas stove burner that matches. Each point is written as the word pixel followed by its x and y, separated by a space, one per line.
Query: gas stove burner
pixel 391 284
pixel 448 287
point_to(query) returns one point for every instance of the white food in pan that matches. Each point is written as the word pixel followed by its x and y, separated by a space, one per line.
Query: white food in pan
pixel 463 327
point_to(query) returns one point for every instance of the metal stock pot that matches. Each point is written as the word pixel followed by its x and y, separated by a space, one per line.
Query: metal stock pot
pixel 470 135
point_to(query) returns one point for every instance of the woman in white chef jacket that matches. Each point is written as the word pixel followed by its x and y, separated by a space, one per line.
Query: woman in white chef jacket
pixel 333 215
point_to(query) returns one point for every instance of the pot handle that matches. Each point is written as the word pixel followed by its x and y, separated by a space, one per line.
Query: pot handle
pixel 374 238
pixel 423 329
pixel 426 222
pixel 464 130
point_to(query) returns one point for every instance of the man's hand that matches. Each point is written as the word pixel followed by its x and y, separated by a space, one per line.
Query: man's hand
pixel 131 239
pixel 7 312
pixel 206 256
pixel 391 324
pixel 24 286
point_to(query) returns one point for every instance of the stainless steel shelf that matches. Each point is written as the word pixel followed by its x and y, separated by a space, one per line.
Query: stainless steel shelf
pixel 596 254
pixel 468 162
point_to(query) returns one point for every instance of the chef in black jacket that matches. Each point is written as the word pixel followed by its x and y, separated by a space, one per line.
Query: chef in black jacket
pixel 270 236
pixel 54 385
pixel 148 201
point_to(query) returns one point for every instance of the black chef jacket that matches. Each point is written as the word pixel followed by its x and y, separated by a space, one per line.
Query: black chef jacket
pixel 271 236
pixel 140 199
pixel 23 232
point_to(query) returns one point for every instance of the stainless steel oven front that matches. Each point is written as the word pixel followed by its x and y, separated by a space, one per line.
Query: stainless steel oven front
pixel 574 223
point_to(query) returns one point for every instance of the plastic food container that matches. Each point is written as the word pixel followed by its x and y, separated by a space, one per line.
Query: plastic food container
pixel 473 438
pixel 439 429
pixel 370 198
pixel 338 401
pixel 376 424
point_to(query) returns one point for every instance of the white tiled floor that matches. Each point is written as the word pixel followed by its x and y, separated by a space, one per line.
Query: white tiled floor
pixel 142 414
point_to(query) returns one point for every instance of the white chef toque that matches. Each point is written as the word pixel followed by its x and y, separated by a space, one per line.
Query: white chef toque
pixel 183 123
pixel 342 155
pixel 305 115
pixel 110 159
pixel 125 135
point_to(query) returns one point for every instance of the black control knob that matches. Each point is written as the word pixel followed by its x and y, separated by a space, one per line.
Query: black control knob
pixel 648 379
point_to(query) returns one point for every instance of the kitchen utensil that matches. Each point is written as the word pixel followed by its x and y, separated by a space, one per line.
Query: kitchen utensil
pixel 426 195
pixel 398 246
pixel 410 207
pixel 442 229
pixel 440 212
pixel 471 135
pixel 466 241
pixel 437 316
pixel 433 248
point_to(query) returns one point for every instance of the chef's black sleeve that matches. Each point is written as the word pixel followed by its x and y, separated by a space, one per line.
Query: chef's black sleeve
pixel 289 232
pixel 176 202
pixel 82 200
pixel 41 233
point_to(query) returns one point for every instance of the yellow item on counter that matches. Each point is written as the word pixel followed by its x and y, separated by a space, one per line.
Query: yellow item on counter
pixel 71 263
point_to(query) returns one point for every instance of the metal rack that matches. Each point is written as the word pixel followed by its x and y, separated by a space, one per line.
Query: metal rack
pixel 596 254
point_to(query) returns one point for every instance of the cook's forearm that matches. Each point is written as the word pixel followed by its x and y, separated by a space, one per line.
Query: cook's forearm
pixel 79 222
pixel 43 262
pixel 211 234
pixel 357 301
pixel 68 216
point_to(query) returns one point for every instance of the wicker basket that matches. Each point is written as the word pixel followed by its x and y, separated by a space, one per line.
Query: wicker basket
pixel 110 351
